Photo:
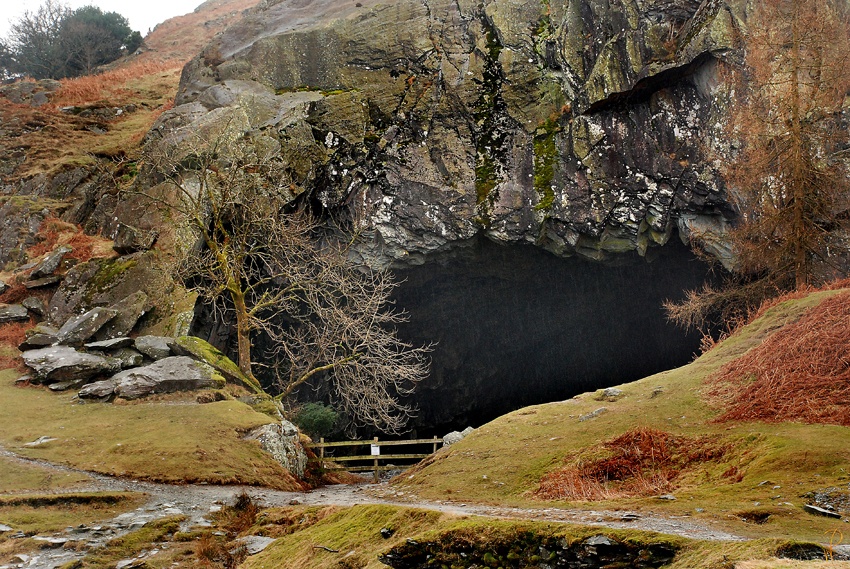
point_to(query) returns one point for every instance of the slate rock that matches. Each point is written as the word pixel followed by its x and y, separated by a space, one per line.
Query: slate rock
pixel 113 344
pixel 35 305
pixel 63 363
pixel 66 385
pixel 176 373
pixel 129 239
pixel 128 357
pixel 3 287
pixel 80 328
pixel 98 389
pixel 203 351
pixel 39 337
pixel 42 283
pixel 154 347
pixel 818 511
pixel 129 309
pixel 50 263
pixel 13 313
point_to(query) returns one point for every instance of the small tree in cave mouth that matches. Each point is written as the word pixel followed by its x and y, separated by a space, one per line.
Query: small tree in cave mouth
pixel 276 271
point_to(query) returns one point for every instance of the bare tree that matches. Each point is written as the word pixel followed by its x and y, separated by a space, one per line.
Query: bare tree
pixel 282 275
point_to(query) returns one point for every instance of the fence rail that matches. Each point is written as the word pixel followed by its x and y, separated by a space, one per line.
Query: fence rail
pixel 374 455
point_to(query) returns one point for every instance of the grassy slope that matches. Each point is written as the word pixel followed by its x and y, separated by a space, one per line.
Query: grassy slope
pixel 503 461
pixel 169 442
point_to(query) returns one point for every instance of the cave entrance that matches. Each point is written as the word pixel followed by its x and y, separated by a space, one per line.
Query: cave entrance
pixel 517 326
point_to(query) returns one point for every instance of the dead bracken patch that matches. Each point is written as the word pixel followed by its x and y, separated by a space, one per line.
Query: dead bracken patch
pixel 640 462
pixel 799 373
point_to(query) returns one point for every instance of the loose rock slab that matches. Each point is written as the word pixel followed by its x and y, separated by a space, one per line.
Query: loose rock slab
pixel 13 313
pixel 177 373
pixel 154 347
pixel 63 363
pixel 50 263
pixel 80 328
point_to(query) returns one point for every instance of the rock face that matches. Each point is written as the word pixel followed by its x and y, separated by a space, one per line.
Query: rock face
pixel 583 127
pixel 281 440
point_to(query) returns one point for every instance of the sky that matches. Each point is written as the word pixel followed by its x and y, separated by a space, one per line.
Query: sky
pixel 142 15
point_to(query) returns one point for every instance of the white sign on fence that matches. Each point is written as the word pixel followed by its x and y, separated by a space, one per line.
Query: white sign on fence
pixel 376 450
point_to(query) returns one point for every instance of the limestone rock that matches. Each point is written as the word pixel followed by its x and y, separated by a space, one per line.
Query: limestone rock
pixel 154 347
pixel 13 313
pixel 63 363
pixel 50 263
pixel 80 328
pixel 177 373
pixel 281 440
pixel 456 436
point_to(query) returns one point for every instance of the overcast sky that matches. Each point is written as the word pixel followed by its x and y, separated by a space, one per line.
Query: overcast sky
pixel 143 15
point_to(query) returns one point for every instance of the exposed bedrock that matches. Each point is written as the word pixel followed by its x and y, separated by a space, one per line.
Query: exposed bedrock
pixel 584 127
pixel 544 161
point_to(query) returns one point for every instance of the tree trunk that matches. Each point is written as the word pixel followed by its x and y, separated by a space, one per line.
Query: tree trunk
pixel 243 332
pixel 797 156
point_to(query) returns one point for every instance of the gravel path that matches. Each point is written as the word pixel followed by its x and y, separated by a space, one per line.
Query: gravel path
pixel 196 501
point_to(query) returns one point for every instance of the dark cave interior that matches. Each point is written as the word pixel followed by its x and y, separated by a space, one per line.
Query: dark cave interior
pixel 517 326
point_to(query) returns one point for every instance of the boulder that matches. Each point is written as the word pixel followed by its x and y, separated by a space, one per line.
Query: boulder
pixel 129 310
pixel 203 351
pixel 63 363
pixel 13 313
pixel 456 436
pixel 129 239
pixel 176 373
pixel 98 389
pixel 281 440
pixel 80 328
pixel 154 347
pixel 50 263
pixel 3 287
pixel 35 305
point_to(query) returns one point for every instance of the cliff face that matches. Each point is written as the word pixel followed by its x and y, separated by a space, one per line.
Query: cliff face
pixel 585 127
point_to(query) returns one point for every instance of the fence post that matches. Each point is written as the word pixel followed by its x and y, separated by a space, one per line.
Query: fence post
pixel 377 479
pixel 322 453
pixel 435 443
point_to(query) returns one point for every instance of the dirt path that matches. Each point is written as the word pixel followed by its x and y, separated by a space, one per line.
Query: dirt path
pixel 196 501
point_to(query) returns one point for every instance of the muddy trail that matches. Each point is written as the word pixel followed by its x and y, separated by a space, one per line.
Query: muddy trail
pixel 197 501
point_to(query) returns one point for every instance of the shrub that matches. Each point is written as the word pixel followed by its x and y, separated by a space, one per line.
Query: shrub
pixel 317 419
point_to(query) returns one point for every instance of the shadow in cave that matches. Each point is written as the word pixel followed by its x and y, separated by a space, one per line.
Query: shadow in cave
pixel 516 326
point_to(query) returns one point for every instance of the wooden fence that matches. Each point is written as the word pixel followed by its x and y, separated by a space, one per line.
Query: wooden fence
pixel 374 458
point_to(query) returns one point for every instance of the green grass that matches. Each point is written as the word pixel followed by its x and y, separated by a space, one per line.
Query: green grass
pixel 355 535
pixel 503 461
pixel 50 513
pixel 16 476
pixel 159 441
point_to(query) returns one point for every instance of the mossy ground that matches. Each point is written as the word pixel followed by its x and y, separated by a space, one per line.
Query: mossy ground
pixel 167 441
pixel 775 464
pixel 43 513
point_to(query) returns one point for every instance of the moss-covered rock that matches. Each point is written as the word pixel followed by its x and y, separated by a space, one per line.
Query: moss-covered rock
pixel 203 351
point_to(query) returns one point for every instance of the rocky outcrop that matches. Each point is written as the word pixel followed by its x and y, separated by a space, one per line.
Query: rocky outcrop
pixel 63 363
pixel 282 441
pixel 583 127
pixel 168 375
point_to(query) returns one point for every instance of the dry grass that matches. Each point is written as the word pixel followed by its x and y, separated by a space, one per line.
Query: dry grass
pixel 109 86
pixel 640 462
pixel 800 373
